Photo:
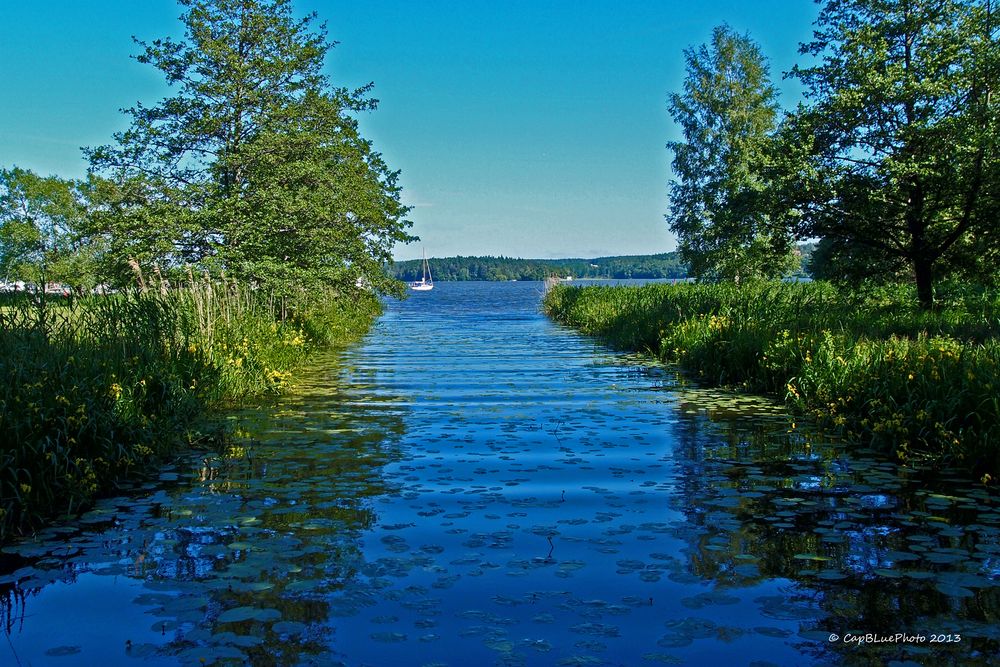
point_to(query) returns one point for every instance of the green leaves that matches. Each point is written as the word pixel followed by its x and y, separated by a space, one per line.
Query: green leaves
pixel 41 223
pixel 255 165
pixel 718 204
pixel 902 162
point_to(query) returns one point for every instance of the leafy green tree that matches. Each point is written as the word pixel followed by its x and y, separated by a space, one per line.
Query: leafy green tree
pixel 135 218
pixel 719 203
pixel 841 261
pixel 255 165
pixel 41 223
pixel 895 157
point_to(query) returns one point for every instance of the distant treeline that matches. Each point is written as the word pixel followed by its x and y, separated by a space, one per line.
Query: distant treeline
pixel 664 265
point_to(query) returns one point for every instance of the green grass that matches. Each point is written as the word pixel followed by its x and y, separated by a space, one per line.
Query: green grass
pixel 921 386
pixel 98 387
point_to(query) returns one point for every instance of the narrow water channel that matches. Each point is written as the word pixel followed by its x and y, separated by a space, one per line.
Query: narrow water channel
pixel 474 485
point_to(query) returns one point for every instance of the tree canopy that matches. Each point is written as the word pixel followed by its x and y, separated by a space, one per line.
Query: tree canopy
pixel 894 158
pixel 727 112
pixel 255 164
pixel 41 223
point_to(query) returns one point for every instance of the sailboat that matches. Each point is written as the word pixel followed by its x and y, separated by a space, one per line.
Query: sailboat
pixel 426 283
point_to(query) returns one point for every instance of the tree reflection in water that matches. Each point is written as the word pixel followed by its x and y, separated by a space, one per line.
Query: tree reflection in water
pixel 477 482
pixel 865 546
pixel 271 527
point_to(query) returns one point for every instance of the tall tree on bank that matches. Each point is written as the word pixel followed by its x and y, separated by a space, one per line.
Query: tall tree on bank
pixel 895 157
pixel 255 166
pixel 718 205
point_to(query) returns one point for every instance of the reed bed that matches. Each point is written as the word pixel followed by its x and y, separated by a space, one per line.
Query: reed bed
pixel 920 386
pixel 98 387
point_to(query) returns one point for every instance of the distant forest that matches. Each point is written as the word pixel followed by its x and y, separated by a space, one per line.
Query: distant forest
pixel 665 265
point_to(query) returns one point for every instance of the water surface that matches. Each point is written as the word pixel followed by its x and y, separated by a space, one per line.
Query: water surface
pixel 476 485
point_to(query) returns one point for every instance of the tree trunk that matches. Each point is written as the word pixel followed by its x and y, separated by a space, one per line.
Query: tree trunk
pixel 920 252
pixel 924 275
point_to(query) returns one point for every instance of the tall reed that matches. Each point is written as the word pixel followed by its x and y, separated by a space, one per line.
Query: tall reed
pixel 97 387
pixel 920 385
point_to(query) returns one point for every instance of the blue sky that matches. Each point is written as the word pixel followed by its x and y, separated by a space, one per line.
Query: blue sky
pixel 522 128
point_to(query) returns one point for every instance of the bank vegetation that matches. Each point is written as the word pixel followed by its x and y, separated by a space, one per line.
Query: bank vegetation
pixel 921 386
pixel 233 227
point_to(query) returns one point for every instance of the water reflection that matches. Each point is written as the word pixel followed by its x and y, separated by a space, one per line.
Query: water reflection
pixel 866 547
pixel 231 557
pixel 475 485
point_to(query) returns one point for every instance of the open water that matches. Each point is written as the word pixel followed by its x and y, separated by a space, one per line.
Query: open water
pixel 474 485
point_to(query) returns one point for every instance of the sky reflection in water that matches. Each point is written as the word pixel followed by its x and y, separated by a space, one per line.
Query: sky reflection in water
pixel 475 485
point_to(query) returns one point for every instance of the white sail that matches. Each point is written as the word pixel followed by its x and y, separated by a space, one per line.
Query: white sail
pixel 426 283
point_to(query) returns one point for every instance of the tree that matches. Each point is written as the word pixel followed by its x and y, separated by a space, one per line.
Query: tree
pixel 897 149
pixel 840 261
pixel 41 222
pixel 255 165
pixel 719 202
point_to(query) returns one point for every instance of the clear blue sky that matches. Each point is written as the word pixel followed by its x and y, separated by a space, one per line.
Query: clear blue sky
pixel 526 128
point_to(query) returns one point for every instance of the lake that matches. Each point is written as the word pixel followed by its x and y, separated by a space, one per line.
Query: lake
pixel 473 484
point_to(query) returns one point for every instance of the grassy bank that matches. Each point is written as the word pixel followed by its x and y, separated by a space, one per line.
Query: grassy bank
pixel 920 386
pixel 97 387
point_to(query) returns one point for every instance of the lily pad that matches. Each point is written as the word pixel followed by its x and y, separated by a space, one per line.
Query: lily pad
pixel 240 614
pixel 954 591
